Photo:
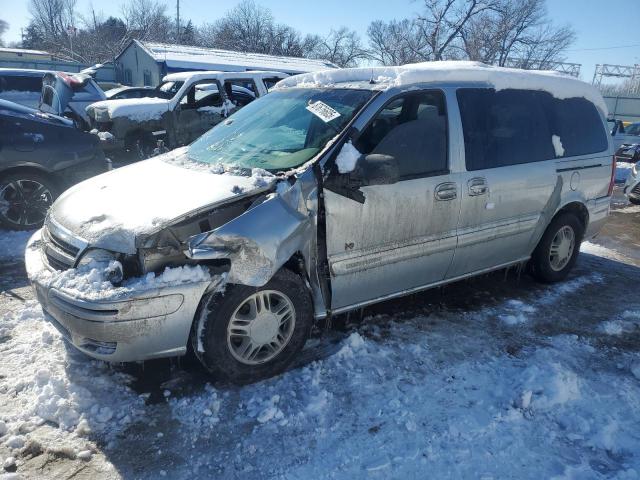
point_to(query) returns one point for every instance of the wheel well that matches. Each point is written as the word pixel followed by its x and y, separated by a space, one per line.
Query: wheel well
pixel 579 210
pixel 296 265
pixel 29 169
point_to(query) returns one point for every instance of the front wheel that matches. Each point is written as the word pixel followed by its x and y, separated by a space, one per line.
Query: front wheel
pixel 635 201
pixel 557 252
pixel 25 199
pixel 249 333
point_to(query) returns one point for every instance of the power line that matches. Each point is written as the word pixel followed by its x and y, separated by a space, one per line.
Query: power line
pixel 602 48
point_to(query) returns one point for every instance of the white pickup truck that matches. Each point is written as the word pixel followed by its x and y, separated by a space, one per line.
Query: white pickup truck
pixel 186 105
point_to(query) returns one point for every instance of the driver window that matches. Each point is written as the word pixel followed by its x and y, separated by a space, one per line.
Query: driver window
pixel 413 129
pixel 240 92
pixel 202 94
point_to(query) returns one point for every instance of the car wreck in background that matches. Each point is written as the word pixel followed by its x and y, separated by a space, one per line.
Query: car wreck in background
pixel 40 156
pixel 184 106
pixel 25 87
pixel 338 190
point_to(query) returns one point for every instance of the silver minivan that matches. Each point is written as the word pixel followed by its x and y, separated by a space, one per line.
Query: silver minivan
pixel 337 190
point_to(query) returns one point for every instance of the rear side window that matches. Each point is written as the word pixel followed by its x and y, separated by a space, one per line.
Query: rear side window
pixel 577 123
pixel 15 83
pixel 413 129
pixel 511 127
pixel 507 127
pixel 88 93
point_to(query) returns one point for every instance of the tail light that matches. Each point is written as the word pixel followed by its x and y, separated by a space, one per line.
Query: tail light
pixel 613 176
pixel 73 81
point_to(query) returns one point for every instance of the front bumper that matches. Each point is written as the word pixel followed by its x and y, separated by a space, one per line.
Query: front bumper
pixel 135 326
pixel 632 187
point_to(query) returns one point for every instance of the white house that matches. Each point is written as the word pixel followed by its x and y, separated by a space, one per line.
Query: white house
pixel 145 63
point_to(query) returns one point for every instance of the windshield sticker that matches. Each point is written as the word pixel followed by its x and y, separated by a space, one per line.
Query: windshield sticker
pixel 323 111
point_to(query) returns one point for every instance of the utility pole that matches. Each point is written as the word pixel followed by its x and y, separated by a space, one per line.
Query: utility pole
pixel 178 22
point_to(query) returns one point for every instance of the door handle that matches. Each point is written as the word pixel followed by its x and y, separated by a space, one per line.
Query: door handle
pixel 446 191
pixel 477 186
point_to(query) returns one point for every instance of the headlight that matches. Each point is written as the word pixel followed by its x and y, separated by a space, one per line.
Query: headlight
pixel 634 169
pixel 106 261
pixel 98 256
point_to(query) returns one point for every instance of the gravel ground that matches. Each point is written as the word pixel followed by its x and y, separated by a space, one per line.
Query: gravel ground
pixel 494 377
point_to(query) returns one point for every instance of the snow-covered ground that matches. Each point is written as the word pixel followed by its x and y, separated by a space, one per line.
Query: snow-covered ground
pixel 497 377
pixel 12 244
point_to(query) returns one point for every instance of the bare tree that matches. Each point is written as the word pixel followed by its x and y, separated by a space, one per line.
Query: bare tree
pixel 246 28
pixel 433 35
pixel 516 32
pixel 52 25
pixel 342 47
pixel 492 31
pixel 4 26
pixel 395 42
pixel 147 20
pixel 442 22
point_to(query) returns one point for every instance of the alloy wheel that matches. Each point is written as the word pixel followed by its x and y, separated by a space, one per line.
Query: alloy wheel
pixel 562 247
pixel 261 327
pixel 24 203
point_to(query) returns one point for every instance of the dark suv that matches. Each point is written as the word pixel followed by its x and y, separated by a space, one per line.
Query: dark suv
pixel 40 156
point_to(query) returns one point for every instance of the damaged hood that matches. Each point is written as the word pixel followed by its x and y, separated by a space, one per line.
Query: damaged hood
pixel 111 210
pixel 137 109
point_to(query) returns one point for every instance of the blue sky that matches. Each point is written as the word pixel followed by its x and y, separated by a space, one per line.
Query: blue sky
pixel 599 24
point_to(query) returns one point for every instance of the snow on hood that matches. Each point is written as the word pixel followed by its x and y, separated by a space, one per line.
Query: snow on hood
pixel 559 85
pixel 136 109
pixel 112 209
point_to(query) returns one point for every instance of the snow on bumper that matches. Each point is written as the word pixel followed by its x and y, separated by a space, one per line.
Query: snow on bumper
pixel 138 325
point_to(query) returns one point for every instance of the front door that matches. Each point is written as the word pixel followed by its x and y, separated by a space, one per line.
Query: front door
pixel 510 177
pixel 200 108
pixel 403 235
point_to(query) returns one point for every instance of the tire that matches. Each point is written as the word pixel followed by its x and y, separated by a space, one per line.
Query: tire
pixel 635 201
pixel 142 144
pixel 548 268
pixel 25 198
pixel 227 342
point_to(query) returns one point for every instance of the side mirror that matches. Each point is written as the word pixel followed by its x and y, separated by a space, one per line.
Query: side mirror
pixel 377 169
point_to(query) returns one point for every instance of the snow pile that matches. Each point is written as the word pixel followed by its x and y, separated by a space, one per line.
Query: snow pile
pixel 557 146
pixel 200 413
pixel 91 281
pixel 13 244
pixel 135 109
pixel 41 382
pixel 628 322
pixel 347 158
pixel 516 312
pixel 559 85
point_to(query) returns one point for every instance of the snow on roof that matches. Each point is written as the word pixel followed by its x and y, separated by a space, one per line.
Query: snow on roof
pixel 24 51
pixel 500 78
pixel 199 58
pixel 197 75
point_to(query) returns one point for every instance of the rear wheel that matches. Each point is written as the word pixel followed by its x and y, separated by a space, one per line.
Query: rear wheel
pixel 557 252
pixel 142 144
pixel 249 333
pixel 25 199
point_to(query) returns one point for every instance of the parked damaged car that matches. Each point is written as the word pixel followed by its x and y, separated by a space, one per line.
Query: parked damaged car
pixel 632 182
pixel 26 88
pixel 335 191
pixel 40 156
pixel 184 106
